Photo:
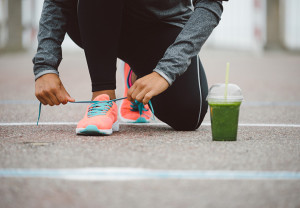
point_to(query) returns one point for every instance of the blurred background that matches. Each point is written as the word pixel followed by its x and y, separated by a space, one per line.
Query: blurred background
pixel 248 25
pixel 260 39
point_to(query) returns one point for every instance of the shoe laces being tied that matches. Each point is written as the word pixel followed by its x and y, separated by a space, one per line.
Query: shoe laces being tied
pixel 101 107
pixel 138 106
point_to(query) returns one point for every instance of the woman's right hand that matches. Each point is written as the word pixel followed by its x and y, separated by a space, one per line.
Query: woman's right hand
pixel 50 90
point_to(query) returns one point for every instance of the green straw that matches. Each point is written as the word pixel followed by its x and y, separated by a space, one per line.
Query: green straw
pixel 226 80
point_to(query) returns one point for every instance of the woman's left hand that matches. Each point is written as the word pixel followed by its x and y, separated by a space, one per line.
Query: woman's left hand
pixel 147 87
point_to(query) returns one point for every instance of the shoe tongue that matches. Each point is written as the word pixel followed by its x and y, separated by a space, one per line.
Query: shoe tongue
pixel 102 97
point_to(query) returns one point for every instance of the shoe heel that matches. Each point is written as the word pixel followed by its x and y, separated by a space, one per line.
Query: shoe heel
pixel 115 126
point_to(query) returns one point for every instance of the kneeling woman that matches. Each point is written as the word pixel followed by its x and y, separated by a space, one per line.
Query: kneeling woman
pixel 160 40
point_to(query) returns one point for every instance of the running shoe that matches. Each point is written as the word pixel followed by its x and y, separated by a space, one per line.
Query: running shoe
pixel 132 112
pixel 101 118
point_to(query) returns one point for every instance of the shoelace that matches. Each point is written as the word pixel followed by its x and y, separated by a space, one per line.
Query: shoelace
pixel 98 107
pixel 138 106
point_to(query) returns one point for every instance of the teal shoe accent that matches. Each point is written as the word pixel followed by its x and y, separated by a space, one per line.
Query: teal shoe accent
pixel 140 107
pixel 141 120
pixel 92 130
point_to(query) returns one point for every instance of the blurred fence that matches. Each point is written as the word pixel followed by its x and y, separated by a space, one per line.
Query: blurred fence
pixel 250 25
pixel 291 23
pixel 243 26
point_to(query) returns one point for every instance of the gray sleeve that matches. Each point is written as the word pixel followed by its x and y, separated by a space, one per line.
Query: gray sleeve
pixel 188 43
pixel 52 30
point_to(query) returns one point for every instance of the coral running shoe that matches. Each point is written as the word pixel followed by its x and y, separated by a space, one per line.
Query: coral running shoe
pixel 132 112
pixel 101 118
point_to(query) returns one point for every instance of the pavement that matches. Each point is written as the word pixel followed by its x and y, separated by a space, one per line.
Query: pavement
pixel 152 165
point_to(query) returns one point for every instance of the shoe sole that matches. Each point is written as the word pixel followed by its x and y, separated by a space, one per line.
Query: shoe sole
pixel 92 130
pixel 139 120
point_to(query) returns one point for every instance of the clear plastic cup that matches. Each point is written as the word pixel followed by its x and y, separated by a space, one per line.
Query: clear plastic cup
pixel 224 111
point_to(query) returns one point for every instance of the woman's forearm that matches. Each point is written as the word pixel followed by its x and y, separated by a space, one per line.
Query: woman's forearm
pixel 52 30
pixel 177 57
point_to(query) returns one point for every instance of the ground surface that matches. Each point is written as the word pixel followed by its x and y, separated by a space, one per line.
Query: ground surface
pixel 49 166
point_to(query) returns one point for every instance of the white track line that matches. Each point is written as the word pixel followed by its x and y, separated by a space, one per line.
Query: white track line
pixel 246 103
pixel 146 124
pixel 270 103
pixel 270 125
pixel 113 174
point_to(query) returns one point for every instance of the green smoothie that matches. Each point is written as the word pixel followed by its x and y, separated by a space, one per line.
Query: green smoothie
pixel 224 120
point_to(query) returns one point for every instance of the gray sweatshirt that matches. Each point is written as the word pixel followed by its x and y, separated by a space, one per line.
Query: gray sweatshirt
pixel 198 18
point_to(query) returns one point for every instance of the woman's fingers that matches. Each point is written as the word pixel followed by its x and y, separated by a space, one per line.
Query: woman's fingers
pixel 54 99
pixel 147 97
pixel 66 97
pixel 63 97
pixel 135 93
pixel 69 98
pixel 141 95
pixel 50 90
pixel 41 100
pixel 147 87
pixel 48 101
pixel 138 91
pixel 130 91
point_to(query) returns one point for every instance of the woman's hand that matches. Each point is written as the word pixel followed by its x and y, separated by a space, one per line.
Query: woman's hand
pixel 147 87
pixel 50 90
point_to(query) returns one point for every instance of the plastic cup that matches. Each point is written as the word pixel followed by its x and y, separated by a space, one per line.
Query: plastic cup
pixel 224 111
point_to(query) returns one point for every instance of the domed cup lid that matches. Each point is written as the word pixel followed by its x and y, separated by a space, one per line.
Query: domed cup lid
pixel 217 93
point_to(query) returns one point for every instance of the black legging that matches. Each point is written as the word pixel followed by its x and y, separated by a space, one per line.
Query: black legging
pixel 106 32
